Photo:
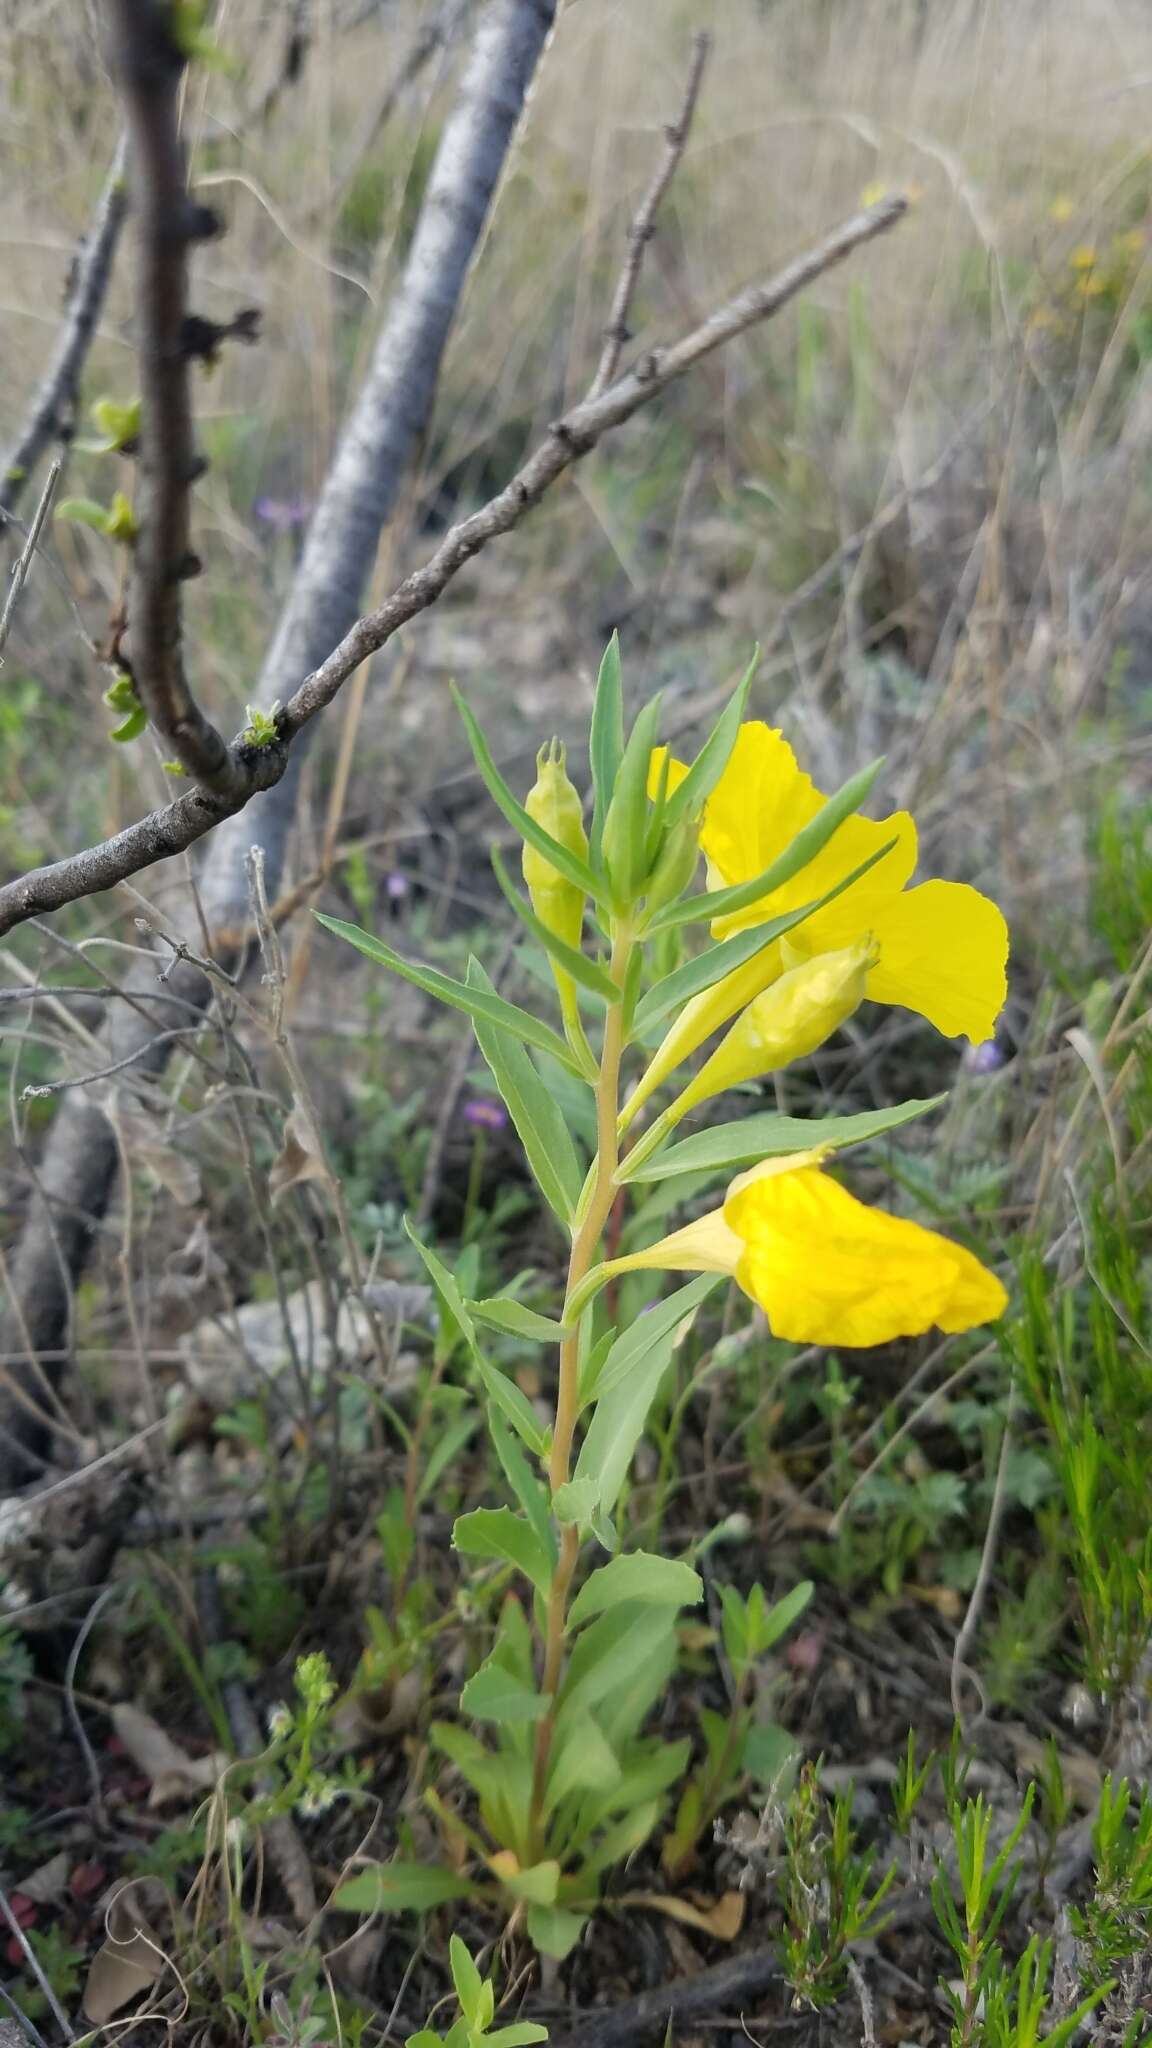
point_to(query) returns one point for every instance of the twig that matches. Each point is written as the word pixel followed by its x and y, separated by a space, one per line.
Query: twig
pixel 149 67
pixel 98 1809
pixel 33 1962
pixel 20 572
pixel 616 333
pixel 55 398
pixel 719 1989
pixel 179 825
pixel 35 1090
pixel 979 1593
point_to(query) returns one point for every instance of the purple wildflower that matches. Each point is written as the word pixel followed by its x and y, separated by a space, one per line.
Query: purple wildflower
pixel 983 1059
pixel 396 886
pixel 485 1115
pixel 282 514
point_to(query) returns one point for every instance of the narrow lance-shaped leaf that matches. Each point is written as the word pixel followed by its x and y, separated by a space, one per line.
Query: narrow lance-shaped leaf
pixel 606 737
pixel 746 1142
pixel 474 1002
pixel 809 841
pixel 625 827
pixel 566 863
pixel 575 963
pixel 540 1126
pixel 714 755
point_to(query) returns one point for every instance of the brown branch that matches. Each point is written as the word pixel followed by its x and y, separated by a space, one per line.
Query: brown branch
pixel 54 403
pixel 149 69
pixel 179 825
pixel 643 227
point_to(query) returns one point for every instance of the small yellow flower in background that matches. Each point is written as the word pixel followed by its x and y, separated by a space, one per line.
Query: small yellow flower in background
pixel 1083 256
pixel 942 947
pixel 826 1268
pixel 1129 245
pixel 1062 209
pixel 873 193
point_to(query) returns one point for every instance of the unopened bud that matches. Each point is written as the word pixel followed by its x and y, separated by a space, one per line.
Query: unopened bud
pixel 554 804
pixel 675 864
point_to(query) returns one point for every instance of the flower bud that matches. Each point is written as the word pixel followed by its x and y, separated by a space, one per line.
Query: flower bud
pixel 554 804
pixel 787 1022
pixel 675 864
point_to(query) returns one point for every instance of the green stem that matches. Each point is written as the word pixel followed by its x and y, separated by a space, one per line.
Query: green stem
pixel 595 1215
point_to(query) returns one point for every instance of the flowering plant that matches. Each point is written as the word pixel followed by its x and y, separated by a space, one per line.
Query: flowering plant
pixel 811 914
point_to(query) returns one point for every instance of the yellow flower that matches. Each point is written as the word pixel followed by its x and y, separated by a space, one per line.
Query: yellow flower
pixel 825 1268
pixel 1062 208
pixel 784 1022
pixel 1083 256
pixel 942 947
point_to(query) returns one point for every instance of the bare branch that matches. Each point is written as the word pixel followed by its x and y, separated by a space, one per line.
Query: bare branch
pixel 55 400
pixel 24 561
pixel 149 69
pixel 643 227
pixel 179 825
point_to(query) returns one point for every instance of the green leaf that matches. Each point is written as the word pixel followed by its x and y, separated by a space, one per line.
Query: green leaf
pixel 539 1124
pixel 499 1533
pixel 450 1298
pixel 83 512
pixel 567 864
pixel 514 1406
pixel 527 1488
pixel 575 1501
pixel 518 2035
pixel 769 1628
pixel 626 823
pixel 575 963
pixel 762 1137
pixel 424 2039
pixel 734 1629
pixel 639 1576
pixel 444 1450
pixel 809 841
pixel 618 1422
pixel 475 1002
pixel 400 1888
pixel 132 727
pixel 768 1752
pixel 623 1840
pixel 554 1931
pixel 583 1760
pixel 628 1351
pixel 502 1312
pixel 468 1981
pixel 606 736
pixel 494 1694
pixel 619 1645
pixel 592 1361
pixel 537 1885
pixel 714 755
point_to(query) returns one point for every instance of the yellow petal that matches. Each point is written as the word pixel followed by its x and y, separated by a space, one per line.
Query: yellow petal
pixel 707 1246
pixel 677 770
pixel 699 1018
pixel 787 1022
pixel 827 1269
pixel 943 953
pixel 760 803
